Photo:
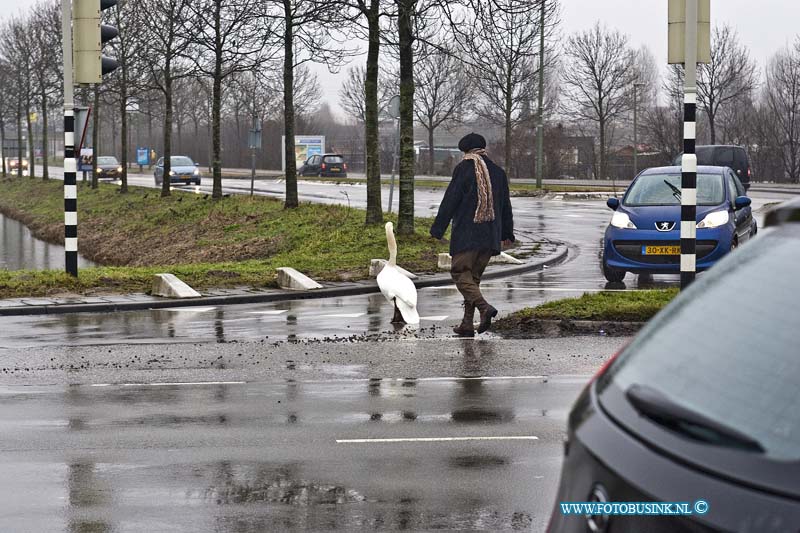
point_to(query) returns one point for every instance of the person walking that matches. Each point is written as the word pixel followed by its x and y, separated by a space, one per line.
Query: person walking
pixel 478 203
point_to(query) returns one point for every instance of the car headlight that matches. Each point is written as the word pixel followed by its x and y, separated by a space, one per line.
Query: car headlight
pixel 714 220
pixel 196 172
pixel 171 172
pixel 119 169
pixel 622 221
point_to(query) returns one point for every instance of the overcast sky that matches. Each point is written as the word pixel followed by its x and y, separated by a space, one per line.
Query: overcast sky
pixel 763 25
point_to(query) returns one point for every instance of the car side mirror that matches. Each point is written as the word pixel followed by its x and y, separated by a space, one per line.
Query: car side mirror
pixel 613 203
pixel 198 164
pixel 741 202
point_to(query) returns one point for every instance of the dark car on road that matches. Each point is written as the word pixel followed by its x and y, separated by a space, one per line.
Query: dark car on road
pixel 108 168
pixel 724 155
pixel 644 233
pixel 325 165
pixel 183 171
pixel 701 408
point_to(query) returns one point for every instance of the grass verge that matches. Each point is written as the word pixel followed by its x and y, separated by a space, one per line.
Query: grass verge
pixel 235 241
pixel 634 306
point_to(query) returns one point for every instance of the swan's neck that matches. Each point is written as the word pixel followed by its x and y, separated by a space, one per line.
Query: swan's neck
pixel 392 247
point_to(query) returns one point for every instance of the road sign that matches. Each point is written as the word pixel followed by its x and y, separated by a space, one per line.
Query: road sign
pixel 254 139
pixel 85 161
pixel 304 147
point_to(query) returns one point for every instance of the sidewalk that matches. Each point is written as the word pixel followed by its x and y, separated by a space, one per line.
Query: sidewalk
pixel 549 254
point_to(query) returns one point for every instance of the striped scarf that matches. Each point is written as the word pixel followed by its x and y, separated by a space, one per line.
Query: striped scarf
pixel 485 210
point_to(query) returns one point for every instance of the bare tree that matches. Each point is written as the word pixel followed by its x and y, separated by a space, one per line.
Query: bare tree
pixel 164 47
pixel 366 16
pixel 443 89
pixel 14 56
pixel 598 79
pixel 782 95
pixel 227 37
pixel 352 95
pixel 306 27
pixel 730 75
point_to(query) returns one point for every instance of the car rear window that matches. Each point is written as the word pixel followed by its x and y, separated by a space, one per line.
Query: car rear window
pixel 731 354
pixel 333 159
pixel 651 189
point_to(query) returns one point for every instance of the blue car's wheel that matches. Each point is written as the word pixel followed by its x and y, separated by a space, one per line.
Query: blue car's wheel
pixel 613 275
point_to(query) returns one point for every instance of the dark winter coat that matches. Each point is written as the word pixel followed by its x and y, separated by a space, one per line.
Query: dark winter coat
pixel 459 204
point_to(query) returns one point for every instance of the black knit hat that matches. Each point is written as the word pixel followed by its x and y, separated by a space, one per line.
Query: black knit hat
pixel 471 141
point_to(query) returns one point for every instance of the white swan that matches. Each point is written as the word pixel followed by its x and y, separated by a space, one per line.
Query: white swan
pixel 397 288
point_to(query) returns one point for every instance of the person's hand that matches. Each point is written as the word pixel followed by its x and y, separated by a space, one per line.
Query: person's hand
pixel 507 243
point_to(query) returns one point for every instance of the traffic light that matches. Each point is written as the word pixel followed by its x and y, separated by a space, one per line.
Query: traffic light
pixel 88 37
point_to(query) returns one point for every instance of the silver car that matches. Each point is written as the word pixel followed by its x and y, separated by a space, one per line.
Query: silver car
pixel 183 171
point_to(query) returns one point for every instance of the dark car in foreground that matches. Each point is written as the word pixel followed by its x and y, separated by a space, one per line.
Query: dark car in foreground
pixel 644 234
pixel 724 155
pixel 702 407
pixel 325 165
pixel 108 168
pixel 183 171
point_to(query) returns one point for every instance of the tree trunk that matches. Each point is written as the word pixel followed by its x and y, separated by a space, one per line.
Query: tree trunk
pixel 45 161
pixel 405 219
pixel 288 108
pixel 371 133
pixel 216 109
pixel 95 133
pixel 123 137
pixel 167 154
pixel 31 146
pixel 3 146
pixel 431 151
pixel 602 150
pixel 19 140
pixel 509 107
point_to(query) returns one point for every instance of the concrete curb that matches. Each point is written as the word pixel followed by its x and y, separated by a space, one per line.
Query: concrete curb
pixel 332 292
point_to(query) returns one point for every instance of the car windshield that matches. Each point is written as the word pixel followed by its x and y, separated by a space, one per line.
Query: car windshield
pixel 107 161
pixel 333 159
pixel 664 189
pixel 730 353
pixel 180 161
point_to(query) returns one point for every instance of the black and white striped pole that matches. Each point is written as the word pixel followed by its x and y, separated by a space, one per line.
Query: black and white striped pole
pixel 70 163
pixel 689 159
pixel 689 44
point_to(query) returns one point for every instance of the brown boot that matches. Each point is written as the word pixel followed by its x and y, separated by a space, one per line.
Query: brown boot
pixel 466 328
pixel 487 314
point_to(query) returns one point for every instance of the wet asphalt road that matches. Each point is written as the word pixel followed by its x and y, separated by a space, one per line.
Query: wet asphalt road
pixel 394 432
pixel 265 417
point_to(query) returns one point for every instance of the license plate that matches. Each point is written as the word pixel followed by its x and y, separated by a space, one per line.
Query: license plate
pixel 336 169
pixel 661 250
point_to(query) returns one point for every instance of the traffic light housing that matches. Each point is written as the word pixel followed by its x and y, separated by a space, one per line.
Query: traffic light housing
pixel 88 37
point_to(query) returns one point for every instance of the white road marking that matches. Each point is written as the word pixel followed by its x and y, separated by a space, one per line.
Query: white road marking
pixel 169 384
pixel 433 439
pixel 342 315
pixel 434 318
pixel 271 312
pixel 188 309
pixel 573 216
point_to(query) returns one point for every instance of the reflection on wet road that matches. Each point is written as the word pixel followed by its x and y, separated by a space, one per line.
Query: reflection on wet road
pixel 264 457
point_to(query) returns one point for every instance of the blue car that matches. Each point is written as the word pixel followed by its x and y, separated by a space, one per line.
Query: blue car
pixel 643 236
